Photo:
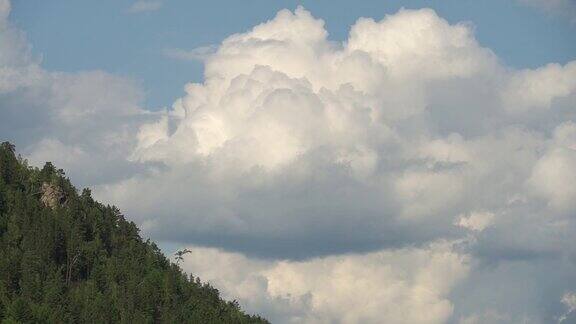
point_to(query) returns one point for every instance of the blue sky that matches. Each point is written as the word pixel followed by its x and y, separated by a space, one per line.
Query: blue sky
pixel 105 36
pixel 420 171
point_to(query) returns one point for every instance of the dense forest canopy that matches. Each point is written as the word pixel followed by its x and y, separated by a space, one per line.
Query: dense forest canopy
pixel 65 258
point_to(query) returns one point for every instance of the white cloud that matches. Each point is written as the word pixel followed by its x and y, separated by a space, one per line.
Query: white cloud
pixel 537 89
pixel 555 172
pixel 297 146
pixel 360 127
pixel 391 286
pixel 145 6
pixel 418 43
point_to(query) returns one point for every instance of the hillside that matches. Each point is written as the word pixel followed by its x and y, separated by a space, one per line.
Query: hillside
pixel 65 258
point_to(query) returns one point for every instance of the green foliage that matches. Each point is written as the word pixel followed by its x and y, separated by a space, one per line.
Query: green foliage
pixel 82 262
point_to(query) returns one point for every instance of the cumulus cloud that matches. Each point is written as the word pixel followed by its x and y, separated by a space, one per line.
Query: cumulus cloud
pixel 392 286
pixel 299 147
pixel 536 89
pixel 555 171
pixel 293 139
pixel 317 167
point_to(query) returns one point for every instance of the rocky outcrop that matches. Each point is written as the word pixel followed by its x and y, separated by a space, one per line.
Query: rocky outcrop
pixel 52 195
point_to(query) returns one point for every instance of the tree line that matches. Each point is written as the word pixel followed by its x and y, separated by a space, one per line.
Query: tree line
pixel 66 258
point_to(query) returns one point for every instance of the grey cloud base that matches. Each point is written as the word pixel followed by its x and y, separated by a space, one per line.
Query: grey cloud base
pixel 402 176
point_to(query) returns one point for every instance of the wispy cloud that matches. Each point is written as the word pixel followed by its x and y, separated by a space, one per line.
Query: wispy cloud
pixel 145 6
pixel 565 8
pixel 195 54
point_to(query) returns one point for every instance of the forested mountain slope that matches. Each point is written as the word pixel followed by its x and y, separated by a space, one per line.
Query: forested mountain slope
pixel 65 258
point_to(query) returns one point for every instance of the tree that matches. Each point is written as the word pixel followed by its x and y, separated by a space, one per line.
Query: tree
pixel 180 255
pixel 82 261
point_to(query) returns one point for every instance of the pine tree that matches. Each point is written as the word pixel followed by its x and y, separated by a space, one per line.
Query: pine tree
pixel 79 261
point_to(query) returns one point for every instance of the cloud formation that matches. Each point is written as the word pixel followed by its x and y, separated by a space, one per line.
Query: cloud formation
pixel 404 169
pixel 408 132
pixel 394 286
pixel 85 121
pixel 296 140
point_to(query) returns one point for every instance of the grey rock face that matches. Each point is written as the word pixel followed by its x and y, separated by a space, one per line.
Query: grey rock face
pixel 52 196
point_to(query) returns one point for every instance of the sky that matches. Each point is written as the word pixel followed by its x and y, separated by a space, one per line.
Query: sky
pixel 325 162
pixel 72 35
